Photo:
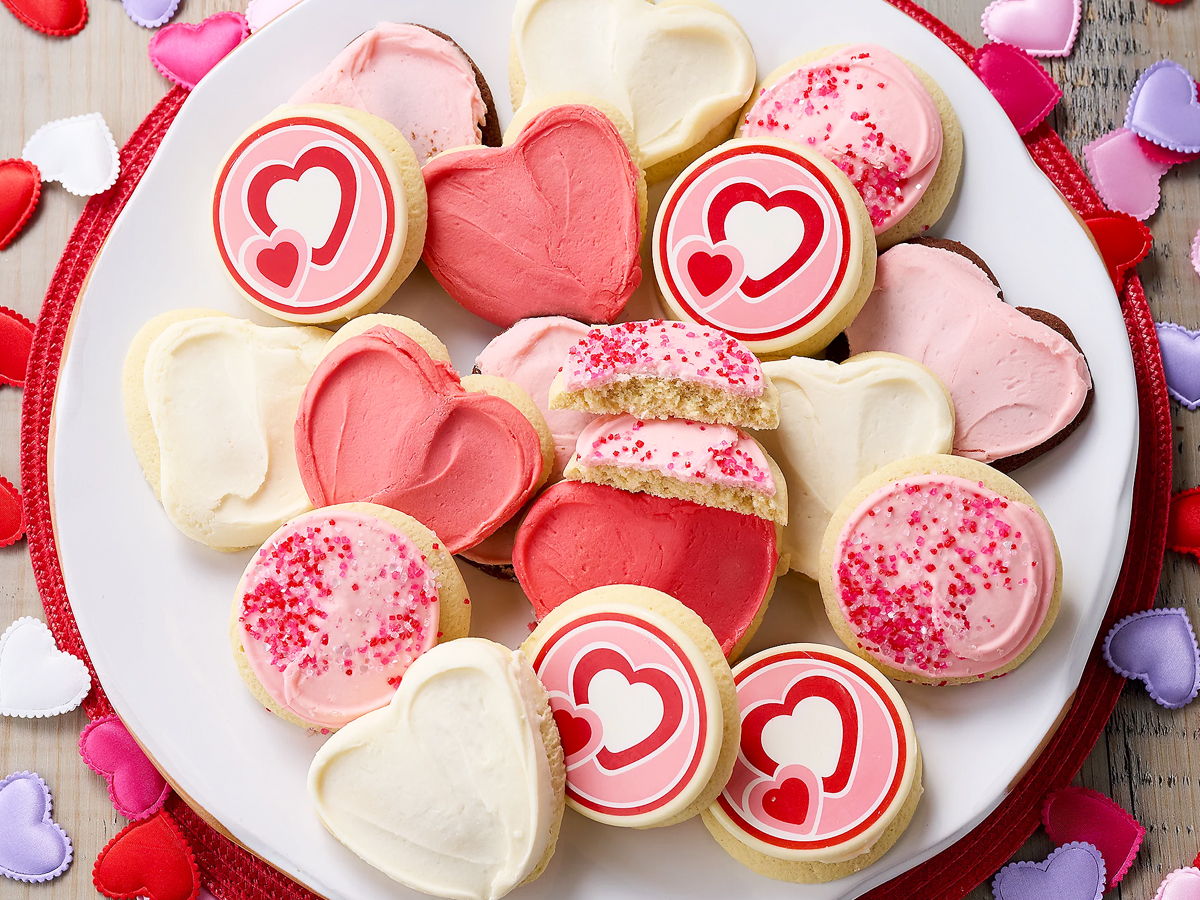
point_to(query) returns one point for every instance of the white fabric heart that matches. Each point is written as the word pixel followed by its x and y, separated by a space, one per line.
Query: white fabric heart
pixel 78 152
pixel 36 678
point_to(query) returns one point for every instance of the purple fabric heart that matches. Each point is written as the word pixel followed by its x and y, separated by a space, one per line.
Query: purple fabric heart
pixel 1181 362
pixel 1157 646
pixel 32 845
pixel 150 13
pixel 1163 108
pixel 1074 871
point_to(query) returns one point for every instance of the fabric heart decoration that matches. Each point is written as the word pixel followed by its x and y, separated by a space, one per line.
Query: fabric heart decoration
pixel 1039 27
pixel 57 18
pixel 136 787
pixel 1196 253
pixel 1182 884
pixel 150 13
pixel 1072 872
pixel 1126 179
pixel 1157 647
pixel 185 53
pixel 16 341
pixel 33 847
pixel 1183 524
pixel 1164 109
pixel 148 859
pixel 78 152
pixel 1078 814
pixel 1022 87
pixel 1123 242
pixel 20 189
pixel 12 514
pixel 260 12
pixel 36 678
pixel 1181 362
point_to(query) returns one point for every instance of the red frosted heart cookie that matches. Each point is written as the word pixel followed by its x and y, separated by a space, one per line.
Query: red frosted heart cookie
pixel 386 420
pixel 720 564
pixel 549 224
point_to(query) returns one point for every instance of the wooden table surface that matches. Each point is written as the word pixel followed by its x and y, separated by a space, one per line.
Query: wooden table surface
pixel 1144 760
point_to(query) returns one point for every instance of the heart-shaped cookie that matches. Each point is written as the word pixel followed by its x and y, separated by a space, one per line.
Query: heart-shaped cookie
pixel 549 224
pixel 150 859
pixel 719 563
pixel 838 424
pixel 679 72
pixel 455 788
pixel 33 847
pixel 185 53
pixel 36 678
pixel 384 421
pixel 78 152
pixel 135 786
pixel 20 189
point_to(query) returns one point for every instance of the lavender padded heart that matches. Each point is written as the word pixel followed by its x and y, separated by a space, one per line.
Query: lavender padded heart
pixel 1158 647
pixel 1181 362
pixel 150 13
pixel 1163 108
pixel 1074 871
pixel 32 845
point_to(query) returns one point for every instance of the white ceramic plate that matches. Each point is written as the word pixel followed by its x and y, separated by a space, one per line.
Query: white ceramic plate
pixel 153 606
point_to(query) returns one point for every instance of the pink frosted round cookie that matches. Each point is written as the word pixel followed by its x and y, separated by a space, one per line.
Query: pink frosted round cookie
pixel 334 607
pixel 940 570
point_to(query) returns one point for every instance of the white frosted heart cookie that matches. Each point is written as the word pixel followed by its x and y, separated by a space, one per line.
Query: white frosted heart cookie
pixel 679 71
pixel 829 770
pixel 635 676
pixel 455 788
pixel 210 403
pixel 838 424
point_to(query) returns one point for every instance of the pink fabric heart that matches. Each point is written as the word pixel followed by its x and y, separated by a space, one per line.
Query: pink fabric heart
pixel 1196 253
pixel 1182 884
pixel 136 787
pixel 1039 27
pixel 260 12
pixel 1022 87
pixel 185 53
pixel 1125 177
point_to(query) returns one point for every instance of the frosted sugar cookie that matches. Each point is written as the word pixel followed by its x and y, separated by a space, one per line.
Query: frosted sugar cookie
pixel 455 788
pixel 829 772
pixel 210 403
pixel 319 213
pixel 940 570
pixel 336 605
pixel 662 370
pixel 768 241
pixel 679 72
pixel 644 702
pixel 879 119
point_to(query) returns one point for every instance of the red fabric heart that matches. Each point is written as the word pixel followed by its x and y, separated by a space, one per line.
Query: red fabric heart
pixel 1183 526
pixel 709 272
pixel 151 859
pixel 1018 82
pixel 788 802
pixel 574 731
pixel 16 340
pixel 20 188
pixel 185 53
pixel 1079 814
pixel 57 18
pixel 1123 242
pixel 12 514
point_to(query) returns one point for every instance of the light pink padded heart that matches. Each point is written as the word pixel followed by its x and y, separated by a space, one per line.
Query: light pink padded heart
pixel 1039 27
pixel 1125 177
pixel 185 53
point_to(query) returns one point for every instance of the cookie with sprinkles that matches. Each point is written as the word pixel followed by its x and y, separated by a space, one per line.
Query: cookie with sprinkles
pixel 662 370
pixel 881 120
pixel 940 570
pixel 336 605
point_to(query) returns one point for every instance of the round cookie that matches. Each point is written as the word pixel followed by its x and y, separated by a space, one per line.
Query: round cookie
pixel 468 736
pixel 816 720
pixel 632 675
pixel 336 605
pixel 319 213
pixel 894 133
pixel 768 241
pixel 940 570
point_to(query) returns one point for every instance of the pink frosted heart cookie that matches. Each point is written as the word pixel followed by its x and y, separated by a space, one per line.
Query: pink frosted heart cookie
pixel 644 702
pixel 336 605
pixel 319 213
pixel 829 772
pixel 940 570
pixel 885 123
pixel 768 241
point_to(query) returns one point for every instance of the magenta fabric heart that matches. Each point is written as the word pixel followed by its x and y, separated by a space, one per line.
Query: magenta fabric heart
pixel 1125 177
pixel 1023 88
pixel 150 13
pixel 1072 872
pixel 32 845
pixel 1158 647
pixel 1078 814
pixel 185 53
pixel 136 787
pixel 1163 108
pixel 1039 27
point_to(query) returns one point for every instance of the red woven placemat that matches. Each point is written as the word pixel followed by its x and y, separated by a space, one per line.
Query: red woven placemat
pixel 231 873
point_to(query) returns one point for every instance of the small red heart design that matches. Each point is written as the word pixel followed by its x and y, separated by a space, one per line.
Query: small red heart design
pixel 16 341
pixel 279 264
pixel 789 802
pixel 12 514
pixel 151 859
pixel 1079 814
pixel 575 732
pixel 709 272
pixel 57 18
pixel 1018 82
pixel 1123 241
pixel 20 188
pixel 185 53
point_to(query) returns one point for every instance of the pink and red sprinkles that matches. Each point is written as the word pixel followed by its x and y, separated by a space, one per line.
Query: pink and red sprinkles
pixel 672 350
pixel 917 546
pixel 371 579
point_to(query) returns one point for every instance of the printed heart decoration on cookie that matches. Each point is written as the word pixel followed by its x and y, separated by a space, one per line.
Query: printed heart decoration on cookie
pixel 1022 87
pixel 16 340
pixel 36 678
pixel 1157 647
pixel 150 13
pixel 56 18
pixel 1125 177
pixel 12 514
pixel 1078 814
pixel 78 152
pixel 1123 242
pixel 33 847
pixel 1039 27
pixel 150 859
pixel 135 786
pixel 20 189
pixel 185 53
pixel 1072 872
pixel 1164 108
